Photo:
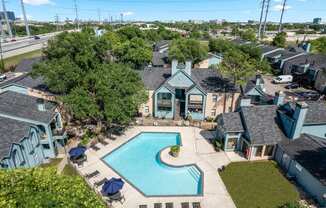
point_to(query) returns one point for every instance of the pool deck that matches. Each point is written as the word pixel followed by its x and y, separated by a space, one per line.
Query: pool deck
pixel 195 150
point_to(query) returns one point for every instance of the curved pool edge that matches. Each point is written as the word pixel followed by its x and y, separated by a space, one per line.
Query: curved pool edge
pixel 140 191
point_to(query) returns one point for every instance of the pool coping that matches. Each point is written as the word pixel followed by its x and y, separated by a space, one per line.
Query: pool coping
pixel 145 195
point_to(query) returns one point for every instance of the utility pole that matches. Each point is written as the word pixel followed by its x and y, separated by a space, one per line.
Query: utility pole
pixel 76 13
pixel 261 19
pixel 57 21
pixel 121 18
pixel 99 15
pixel 2 31
pixel 25 18
pixel 281 19
pixel 6 17
pixel 266 15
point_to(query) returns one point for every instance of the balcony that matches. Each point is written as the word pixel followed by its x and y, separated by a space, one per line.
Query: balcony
pixel 59 134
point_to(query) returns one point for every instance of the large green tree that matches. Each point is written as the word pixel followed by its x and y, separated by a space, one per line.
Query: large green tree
pixel 43 187
pixel 183 49
pixel 91 88
pixel 319 45
pixel 219 45
pixel 279 40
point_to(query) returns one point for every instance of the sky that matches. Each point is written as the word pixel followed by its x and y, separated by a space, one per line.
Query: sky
pixel 169 10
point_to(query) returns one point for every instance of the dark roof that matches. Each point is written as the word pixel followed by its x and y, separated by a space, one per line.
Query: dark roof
pixel 284 54
pixel 159 59
pixel 231 122
pixel 26 65
pixel 261 124
pixel 25 106
pixel 267 48
pixel 316 112
pixel 208 79
pixel 161 44
pixel 252 83
pixel 315 60
pixel 310 152
pixel 11 131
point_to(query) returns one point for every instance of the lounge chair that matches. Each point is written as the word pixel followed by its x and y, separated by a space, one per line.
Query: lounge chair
pixel 143 206
pixel 94 147
pixel 101 182
pixel 169 205
pixel 196 205
pixel 92 174
pixel 157 205
pixel 103 142
pixel 185 205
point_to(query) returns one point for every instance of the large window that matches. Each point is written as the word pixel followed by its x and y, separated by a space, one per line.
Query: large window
pixel 232 143
pixel 259 151
pixel 195 103
pixel 269 149
pixel 164 101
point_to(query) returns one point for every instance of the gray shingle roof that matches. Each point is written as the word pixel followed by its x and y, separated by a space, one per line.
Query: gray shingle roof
pixel 310 152
pixel 11 131
pixel 231 122
pixel 159 59
pixel 315 60
pixel 208 79
pixel 261 124
pixel 267 48
pixel 316 112
pixel 284 54
pixel 24 106
pixel 161 44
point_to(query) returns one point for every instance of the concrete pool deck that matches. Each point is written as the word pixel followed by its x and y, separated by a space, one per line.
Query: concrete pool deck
pixel 195 150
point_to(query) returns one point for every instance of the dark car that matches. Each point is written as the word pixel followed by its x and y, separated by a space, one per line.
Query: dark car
pixel 310 95
pixel 36 37
pixel 292 86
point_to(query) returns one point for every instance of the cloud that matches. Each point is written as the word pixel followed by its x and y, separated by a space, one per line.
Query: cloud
pixel 279 7
pixel 38 2
pixel 127 13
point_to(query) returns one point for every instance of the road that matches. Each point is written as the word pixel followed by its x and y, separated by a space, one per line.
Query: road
pixel 25 45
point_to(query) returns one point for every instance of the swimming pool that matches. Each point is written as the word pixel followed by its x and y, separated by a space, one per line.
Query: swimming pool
pixel 138 162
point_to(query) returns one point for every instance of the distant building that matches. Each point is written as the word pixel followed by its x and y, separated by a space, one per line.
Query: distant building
pixel 10 14
pixel 316 21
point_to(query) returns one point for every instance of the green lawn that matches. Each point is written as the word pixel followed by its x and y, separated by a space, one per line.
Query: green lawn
pixel 54 162
pixel 258 185
pixel 13 61
pixel 69 170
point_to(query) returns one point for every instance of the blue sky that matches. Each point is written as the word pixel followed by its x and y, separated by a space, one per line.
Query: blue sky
pixel 232 10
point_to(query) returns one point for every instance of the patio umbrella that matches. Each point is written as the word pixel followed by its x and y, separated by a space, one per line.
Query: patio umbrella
pixel 112 186
pixel 77 151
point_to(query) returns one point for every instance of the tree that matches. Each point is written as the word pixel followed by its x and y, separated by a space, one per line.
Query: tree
pixel 252 50
pixel 135 52
pixel 220 45
pixel 91 88
pixel 292 205
pixel 183 49
pixel 130 32
pixel 43 187
pixel 319 45
pixel 280 40
pixel 248 35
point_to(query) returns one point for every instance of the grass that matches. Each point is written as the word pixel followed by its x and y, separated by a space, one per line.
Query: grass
pixel 54 162
pixel 258 185
pixel 14 60
pixel 69 171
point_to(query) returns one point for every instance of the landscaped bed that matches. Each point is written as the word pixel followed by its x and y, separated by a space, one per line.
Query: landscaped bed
pixel 258 184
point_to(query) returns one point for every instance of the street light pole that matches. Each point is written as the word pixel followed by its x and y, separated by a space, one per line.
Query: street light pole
pixel 25 18
pixel 6 17
pixel 281 19
pixel 261 19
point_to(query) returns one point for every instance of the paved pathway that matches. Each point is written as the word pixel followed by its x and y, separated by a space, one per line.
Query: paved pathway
pixel 195 149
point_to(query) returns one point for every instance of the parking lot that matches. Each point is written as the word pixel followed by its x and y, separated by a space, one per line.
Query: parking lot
pixel 291 94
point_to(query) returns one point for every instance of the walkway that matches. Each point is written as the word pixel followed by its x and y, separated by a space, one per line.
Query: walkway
pixel 195 149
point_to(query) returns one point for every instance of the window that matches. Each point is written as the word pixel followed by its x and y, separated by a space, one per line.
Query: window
pixel 46 146
pixel 195 103
pixel 164 102
pixel 215 98
pixel 146 109
pixel 259 151
pixel 213 112
pixel 269 149
pixel 298 167
pixel 232 143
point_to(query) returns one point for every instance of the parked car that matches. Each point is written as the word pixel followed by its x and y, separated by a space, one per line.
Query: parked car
pixel 2 77
pixel 283 79
pixel 292 86
pixel 13 40
pixel 309 95
pixel 36 37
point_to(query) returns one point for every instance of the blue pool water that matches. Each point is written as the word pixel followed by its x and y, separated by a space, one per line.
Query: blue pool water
pixel 138 162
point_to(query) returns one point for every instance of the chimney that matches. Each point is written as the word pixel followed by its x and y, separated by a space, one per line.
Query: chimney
pixel 40 104
pixel 174 67
pixel 279 98
pixel 299 116
pixel 188 67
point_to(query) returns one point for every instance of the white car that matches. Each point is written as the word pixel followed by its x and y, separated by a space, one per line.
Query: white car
pixel 2 77
pixel 283 79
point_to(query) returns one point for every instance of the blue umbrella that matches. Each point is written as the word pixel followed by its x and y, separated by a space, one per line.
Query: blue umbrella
pixel 77 151
pixel 112 186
